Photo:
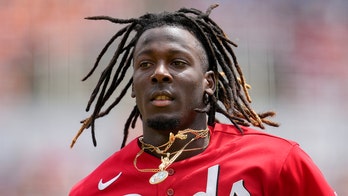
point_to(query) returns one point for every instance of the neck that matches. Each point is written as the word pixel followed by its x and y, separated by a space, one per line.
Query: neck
pixel 191 142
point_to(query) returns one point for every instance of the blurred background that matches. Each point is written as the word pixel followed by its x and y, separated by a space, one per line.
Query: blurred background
pixel 294 54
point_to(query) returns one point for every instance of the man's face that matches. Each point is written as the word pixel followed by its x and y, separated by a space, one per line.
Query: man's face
pixel 169 78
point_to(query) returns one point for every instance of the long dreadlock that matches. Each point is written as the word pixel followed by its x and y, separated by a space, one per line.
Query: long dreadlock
pixel 231 98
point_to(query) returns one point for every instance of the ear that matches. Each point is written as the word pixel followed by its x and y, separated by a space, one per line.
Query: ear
pixel 133 93
pixel 210 82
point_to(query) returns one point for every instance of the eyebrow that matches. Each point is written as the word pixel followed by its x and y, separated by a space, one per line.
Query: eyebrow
pixel 171 51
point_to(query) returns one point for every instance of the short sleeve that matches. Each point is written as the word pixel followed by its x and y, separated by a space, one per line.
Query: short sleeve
pixel 301 177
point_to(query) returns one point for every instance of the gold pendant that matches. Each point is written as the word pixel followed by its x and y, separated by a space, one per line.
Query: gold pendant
pixel 158 177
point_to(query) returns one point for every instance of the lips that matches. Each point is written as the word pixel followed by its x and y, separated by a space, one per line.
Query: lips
pixel 161 99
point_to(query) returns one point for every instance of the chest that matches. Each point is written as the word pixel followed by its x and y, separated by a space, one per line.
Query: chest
pixel 209 174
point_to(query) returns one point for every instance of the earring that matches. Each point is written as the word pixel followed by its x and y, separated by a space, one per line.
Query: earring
pixel 206 98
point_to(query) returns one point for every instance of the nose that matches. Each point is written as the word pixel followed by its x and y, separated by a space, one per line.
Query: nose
pixel 161 74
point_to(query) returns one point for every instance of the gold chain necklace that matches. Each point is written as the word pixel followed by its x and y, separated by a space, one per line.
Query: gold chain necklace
pixel 180 135
pixel 161 173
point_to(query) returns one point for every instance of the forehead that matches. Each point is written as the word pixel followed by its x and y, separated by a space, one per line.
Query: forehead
pixel 168 34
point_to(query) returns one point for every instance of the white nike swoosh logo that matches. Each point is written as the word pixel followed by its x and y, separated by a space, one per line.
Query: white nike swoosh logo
pixel 102 185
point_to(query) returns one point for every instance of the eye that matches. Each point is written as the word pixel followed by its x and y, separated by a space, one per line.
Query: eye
pixel 179 63
pixel 144 64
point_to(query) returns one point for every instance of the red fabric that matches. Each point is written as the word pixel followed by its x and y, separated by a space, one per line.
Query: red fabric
pixel 253 163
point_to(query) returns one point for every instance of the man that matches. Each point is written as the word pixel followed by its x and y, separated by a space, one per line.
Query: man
pixel 184 72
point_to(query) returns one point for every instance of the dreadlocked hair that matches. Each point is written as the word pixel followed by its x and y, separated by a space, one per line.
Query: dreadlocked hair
pixel 231 97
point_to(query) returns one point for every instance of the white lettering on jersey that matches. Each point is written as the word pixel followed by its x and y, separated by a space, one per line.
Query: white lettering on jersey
pixel 213 174
pixel 238 189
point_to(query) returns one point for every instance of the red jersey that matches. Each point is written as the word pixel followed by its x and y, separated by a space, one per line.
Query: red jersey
pixel 253 163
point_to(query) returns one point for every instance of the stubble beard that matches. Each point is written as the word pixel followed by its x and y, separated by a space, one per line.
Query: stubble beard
pixel 163 123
